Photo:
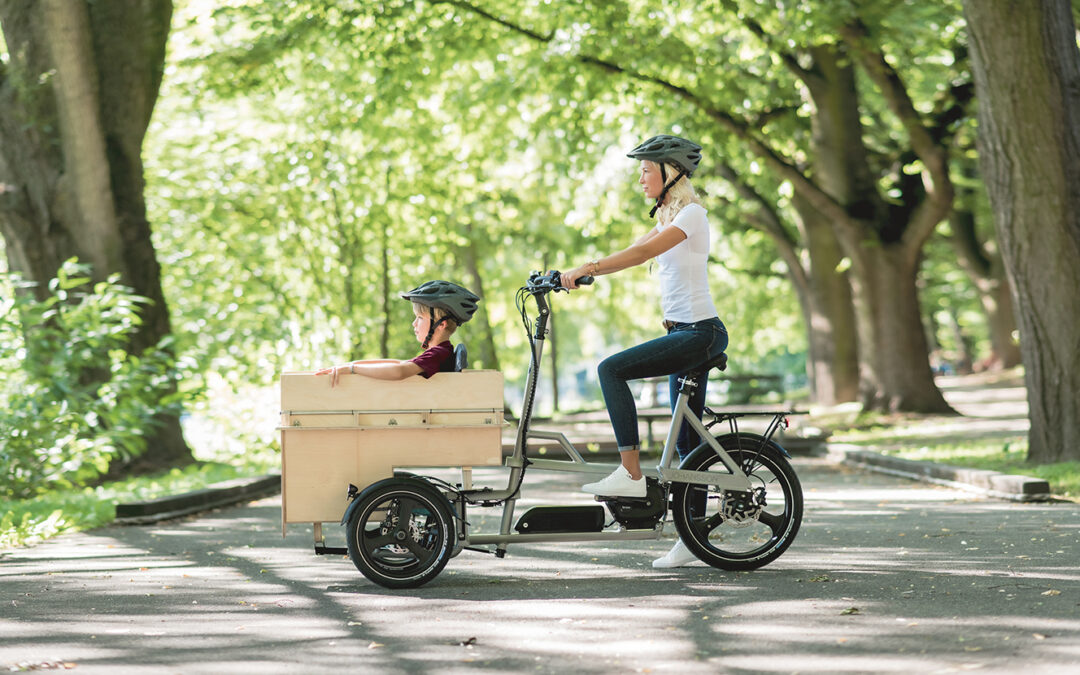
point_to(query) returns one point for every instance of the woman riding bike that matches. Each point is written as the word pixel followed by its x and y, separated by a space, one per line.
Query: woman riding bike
pixel 680 243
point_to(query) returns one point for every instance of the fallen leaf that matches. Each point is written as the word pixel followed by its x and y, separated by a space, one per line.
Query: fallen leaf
pixel 1038 636
pixel 468 643
pixel 375 645
pixel 851 610
pixel 1051 592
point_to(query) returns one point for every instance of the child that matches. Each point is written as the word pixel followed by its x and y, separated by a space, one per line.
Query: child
pixel 440 307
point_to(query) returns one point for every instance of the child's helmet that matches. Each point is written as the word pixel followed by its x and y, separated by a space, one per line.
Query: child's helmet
pixel 458 302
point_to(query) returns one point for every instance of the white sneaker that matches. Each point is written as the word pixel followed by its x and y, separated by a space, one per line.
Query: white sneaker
pixel 678 556
pixel 618 484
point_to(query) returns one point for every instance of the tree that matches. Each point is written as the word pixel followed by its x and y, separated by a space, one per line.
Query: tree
pixel 1027 75
pixel 76 95
pixel 882 204
pixel 980 258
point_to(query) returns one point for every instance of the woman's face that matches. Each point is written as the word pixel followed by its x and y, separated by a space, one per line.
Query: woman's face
pixel 652 184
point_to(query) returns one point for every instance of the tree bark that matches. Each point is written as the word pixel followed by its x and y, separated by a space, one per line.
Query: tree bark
pixel 896 370
pixel 1027 75
pixel 832 338
pixel 483 353
pixel 987 272
pixel 75 101
pixel 822 288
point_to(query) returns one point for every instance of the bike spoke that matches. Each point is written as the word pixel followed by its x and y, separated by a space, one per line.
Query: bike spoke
pixel 775 521
pixel 711 523
pixel 379 541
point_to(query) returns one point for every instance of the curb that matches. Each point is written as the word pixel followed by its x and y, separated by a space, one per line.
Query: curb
pixel 991 483
pixel 219 494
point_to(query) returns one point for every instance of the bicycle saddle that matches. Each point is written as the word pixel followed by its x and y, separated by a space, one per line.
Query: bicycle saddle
pixel 719 362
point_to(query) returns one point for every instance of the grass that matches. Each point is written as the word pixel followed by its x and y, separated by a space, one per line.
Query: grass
pixel 29 521
pixel 926 439
pixel 1008 457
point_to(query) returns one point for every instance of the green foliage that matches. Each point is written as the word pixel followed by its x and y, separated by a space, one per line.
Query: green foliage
pixel 26 521
pixel 74 399
pixel 308 161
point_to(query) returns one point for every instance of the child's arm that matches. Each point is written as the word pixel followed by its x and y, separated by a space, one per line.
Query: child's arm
pixel 380 369
pixel 385 370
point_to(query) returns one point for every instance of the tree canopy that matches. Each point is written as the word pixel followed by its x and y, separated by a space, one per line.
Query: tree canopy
pixel 308 161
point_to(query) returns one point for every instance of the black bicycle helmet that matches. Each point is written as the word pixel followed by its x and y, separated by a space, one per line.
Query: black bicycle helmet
pixel 663 150
pixel 669 150
pixel 458 303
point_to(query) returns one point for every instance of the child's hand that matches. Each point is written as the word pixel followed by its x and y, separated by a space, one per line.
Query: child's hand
pixel 334 373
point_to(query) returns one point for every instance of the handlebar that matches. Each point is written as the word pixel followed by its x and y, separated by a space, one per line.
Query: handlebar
pixel 552 281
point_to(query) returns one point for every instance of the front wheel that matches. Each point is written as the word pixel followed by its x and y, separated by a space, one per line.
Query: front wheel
pixel 736 530
pixel 401 532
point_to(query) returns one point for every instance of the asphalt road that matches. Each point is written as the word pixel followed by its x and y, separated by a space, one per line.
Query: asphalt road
pixel 886 576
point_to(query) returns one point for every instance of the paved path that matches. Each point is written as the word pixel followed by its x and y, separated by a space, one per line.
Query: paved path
pixel 886 576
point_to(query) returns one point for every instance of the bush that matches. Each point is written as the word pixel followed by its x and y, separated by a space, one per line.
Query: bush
pixel 74 399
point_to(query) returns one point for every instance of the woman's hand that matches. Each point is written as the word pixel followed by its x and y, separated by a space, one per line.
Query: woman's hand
pixel 569 279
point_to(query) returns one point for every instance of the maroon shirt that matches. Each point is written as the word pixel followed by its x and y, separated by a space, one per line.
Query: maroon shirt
pixel 433 360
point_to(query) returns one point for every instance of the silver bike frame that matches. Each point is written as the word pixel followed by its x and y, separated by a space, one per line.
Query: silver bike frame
pixel 663 471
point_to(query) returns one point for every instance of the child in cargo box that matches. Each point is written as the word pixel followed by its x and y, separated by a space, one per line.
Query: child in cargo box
pixel 440 307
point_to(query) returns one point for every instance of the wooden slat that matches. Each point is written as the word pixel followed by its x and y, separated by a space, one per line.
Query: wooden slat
pixel 474 389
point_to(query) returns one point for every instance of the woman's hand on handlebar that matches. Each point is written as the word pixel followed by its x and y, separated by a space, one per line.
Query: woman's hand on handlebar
pixel 570 278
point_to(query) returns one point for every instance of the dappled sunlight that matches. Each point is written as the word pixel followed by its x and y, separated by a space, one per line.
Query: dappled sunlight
pixel 885 576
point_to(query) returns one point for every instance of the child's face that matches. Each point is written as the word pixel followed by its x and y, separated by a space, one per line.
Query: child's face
pixel 421 323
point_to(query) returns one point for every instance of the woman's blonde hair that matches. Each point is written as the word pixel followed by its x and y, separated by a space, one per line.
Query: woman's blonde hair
pixel 680 194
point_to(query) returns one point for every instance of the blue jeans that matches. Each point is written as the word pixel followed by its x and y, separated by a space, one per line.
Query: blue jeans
pixel 686 345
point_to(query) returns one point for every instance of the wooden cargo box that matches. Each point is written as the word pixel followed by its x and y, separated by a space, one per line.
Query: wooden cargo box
pixel 361 430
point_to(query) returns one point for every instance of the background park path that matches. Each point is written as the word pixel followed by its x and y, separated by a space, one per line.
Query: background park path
pixel 886 575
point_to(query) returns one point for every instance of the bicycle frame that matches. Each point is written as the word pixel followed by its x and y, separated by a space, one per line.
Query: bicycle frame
pixel 736 480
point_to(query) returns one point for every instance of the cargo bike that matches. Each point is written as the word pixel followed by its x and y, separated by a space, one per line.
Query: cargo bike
pixel 354 454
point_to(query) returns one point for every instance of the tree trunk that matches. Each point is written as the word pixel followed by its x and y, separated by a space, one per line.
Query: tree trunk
pixel 75 102
pixel 883 246
pixel 822 288
pixel 1001 318
pixel 483 352
pixel 1027 75
pixel 896 373
pixel 833 366
pixel 987 272
pixel 841 172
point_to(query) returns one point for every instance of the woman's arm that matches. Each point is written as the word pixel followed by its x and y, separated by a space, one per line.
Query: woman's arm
pixel 649 246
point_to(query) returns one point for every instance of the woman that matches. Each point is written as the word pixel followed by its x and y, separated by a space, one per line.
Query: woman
pixel 680 243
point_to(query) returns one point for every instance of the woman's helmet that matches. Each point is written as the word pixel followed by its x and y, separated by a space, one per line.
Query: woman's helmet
pixel 665 149
pixel 458 302
pixel 669 150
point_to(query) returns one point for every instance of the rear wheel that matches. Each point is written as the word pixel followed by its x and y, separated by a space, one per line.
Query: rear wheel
pixel 736 530
pixel 401 533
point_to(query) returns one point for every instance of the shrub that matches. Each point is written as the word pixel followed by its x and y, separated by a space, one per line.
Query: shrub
pixel 73 397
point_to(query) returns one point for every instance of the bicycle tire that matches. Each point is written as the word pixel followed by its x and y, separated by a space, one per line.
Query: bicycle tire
pixel 401 533
pixel 740 530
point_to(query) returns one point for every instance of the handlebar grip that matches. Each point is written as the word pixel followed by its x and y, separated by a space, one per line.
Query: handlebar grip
pixel 585 281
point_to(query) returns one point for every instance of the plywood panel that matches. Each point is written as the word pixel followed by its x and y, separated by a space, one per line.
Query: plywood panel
pixel 449 391
pixel 316 469
pixel 319 464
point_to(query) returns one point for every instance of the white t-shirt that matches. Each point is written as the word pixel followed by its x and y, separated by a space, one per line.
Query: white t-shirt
pixel 684 279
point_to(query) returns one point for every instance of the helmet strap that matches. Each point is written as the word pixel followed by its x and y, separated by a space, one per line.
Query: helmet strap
pixel 663 193
pixel 432 325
